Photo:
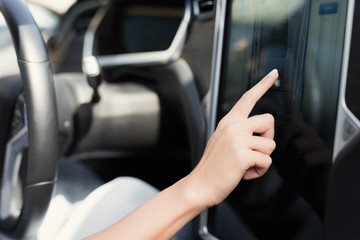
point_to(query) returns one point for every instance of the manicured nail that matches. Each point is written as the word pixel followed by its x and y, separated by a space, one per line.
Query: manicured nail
pixel 273 72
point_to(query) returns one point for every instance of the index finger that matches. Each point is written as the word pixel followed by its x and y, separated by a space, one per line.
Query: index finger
pixel 244 106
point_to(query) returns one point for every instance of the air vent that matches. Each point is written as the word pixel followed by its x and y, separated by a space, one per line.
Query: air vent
pixel 204 9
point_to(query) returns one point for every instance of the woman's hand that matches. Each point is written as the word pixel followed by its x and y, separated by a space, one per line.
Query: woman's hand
pixel 233 151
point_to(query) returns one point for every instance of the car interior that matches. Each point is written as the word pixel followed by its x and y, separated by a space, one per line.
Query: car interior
pixel 149 107
pixel 135 88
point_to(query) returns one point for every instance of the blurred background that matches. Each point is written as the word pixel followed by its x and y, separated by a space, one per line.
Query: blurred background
pixel 47 14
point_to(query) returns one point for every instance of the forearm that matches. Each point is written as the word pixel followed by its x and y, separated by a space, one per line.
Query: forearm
pixel 233 152
pixel 161 217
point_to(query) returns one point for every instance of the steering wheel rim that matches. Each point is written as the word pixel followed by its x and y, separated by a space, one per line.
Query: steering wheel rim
pixel 38 165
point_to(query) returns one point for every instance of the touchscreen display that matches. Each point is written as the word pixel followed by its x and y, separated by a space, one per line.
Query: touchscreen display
pixel 304 40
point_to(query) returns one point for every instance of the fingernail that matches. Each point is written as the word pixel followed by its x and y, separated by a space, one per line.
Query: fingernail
pixel 273 72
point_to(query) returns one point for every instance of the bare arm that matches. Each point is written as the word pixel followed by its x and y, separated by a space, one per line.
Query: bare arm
pixel 232 153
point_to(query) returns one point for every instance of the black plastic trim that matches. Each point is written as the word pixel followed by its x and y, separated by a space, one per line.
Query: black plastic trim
pixel 343 209
pixel 352 83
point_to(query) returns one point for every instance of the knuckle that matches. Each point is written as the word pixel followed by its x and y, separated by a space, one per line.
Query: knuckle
pixel 273 145
pixel 269 147
pixel 268 161
pixel 270 118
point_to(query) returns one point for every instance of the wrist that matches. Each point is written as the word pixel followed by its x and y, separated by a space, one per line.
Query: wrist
pixel 194 193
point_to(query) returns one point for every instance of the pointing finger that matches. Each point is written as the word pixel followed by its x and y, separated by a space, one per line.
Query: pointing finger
pixel 244 106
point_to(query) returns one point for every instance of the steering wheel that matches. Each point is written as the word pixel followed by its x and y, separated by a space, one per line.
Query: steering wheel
pixel 29 151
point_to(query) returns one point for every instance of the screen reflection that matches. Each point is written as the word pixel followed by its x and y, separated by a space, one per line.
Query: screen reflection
pixel 304 40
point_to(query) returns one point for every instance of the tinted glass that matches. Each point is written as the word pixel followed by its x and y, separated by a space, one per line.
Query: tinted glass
pixel 304 40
